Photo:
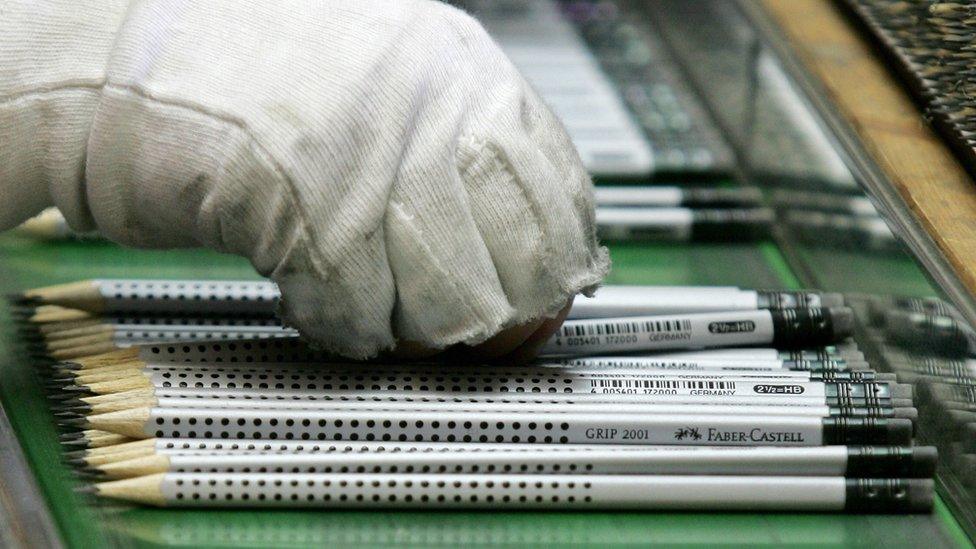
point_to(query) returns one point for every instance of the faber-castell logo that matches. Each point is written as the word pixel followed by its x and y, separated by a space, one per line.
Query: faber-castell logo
pixel 732 327
pixel 687 433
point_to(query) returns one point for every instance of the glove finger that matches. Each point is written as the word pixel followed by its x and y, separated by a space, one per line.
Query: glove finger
pixel 447 287
pixel 345 307
pixel 535 217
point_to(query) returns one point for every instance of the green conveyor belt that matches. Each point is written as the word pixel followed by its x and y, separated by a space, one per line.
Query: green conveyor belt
pixel 25 263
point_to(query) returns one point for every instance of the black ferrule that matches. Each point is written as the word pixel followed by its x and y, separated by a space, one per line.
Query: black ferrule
pixel 891 462
pixel 857 389
pixel 775 299
pixel 943 334
pixel 798 328
pixel 858 401
pixel 862 411
pixel 818 354
pixel 938 367
pixel 867 430
pixel 925 305
pixel 877 495
pixel 935 392
pixel 834 375
pixel 815 365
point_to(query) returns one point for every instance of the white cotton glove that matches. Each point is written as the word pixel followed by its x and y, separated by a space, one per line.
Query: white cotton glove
pixel 381 160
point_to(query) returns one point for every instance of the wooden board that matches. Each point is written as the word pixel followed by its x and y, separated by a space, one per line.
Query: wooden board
pixel 928 177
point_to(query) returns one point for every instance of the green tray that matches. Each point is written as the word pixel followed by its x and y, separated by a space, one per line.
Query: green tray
pixel 25 263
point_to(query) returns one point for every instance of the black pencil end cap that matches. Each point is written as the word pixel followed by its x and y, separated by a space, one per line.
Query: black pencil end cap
pixel 900 431
pixel 915 495
pixel 842 322
pixel 925 460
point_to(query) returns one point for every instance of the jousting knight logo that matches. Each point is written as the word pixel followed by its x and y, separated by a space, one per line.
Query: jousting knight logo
pixel 687 433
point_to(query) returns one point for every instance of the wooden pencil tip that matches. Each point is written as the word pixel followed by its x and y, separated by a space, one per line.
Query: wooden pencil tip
pixel 84 295
pixel 130 422
pixel 108 359
pixel 144 489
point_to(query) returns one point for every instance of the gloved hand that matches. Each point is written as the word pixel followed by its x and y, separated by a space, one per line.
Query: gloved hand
pixel 381 160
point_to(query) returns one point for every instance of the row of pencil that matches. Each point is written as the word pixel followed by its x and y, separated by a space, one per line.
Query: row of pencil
pixel 679 214
pixel 705 412
pixel 927 342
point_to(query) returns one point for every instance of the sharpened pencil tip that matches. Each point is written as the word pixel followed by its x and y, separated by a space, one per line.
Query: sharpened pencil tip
pixel 21 299
pixel 77 389
pixel 62 379
pixel 68 414
pixel 74 422
pixel 86 489
pixel 77 409
pixel 74 443
pixel 72 455
pixel 89 473
pixel 66 437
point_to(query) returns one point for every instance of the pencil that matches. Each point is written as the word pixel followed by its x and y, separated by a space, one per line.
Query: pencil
pixel 512 427
pixel 109 339
pixel 161 296
pixel 50 224
pixel 373 376
pixel 292 349
pixel 204 399
pixel 611 387
pixel 673 196
pixel 499 491
pixel 791 328
pixel 259 298
pixel 683 224
pixel 246 398
pixel 130 328
pixel 93 438
pixel 858 462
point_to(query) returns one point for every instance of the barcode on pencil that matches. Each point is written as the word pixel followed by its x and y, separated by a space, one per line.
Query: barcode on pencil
pixel 620 328
pixel 660 384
